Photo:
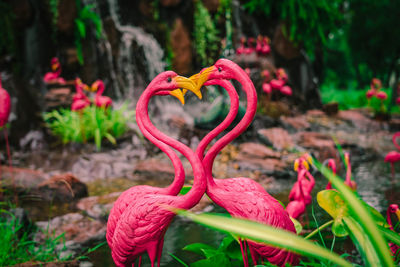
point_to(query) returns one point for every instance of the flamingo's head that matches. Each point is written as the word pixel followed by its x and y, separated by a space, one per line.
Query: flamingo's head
pixel 222 69
pixel 96 85
pixel 332 165
pixel 267 40
pixel 242 40
pixel 168 83
pixel 300 164
pixel 347 158
pixel 394 209
pixel 265 74
pixel 79 83
pixel 376 83
pixel 281 74
pixel 55 64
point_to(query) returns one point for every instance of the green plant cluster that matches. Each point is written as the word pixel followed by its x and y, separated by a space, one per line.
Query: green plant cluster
pixel 17 243
pixel 93 124
pixel 86 15
pixel 205 35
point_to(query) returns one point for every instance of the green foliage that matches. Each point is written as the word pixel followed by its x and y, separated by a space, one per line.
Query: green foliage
pixel 54 11
pixel 93 124
pixel 85 16
pixel 308 23
pixel 205 35
pixel 17 243
pixel 7 39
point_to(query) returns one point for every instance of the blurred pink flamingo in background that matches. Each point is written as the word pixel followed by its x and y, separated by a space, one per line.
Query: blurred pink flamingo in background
pixel 100 100
pixel 266 87
pixel 54 75
pixel 307 184
pixel 332 165
pixel 297 207
pixel 254 202
pixel 349 182
pixel 393 156
pixel 79 100
pixel 142 226
pixel 266 49
pixel 241 48
pixel 393 209
pixel 5 110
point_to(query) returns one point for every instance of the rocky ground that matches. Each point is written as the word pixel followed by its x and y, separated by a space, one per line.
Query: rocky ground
pixel 78 188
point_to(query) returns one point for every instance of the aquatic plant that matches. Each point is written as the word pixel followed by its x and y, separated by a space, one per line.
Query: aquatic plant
pixel 98 124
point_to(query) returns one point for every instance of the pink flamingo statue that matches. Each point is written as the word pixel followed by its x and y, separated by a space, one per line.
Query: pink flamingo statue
pixel 266 87
pixel 393 209
pixel 100 100
pixel 332 166
pixel 249 49
pixel 137 192
pixel 297 207
pixel 370 93
pixel 349 182
pixel 393 156
pixel 307 184
pixel 255 203
pixel 142 225
pixel 54 75
pixel 241 48
pixel 286 90
pixel 259 44
pixel 79 100
pixel 5 110
pixel 266 49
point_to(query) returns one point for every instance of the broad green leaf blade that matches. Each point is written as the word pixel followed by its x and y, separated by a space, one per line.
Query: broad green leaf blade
pixel 266 234
pixel 361 214
pixel 97 138
pixel 179 260
pixel 198 248
pixel 390 235
pixel 219 259
pixel 81 28
pixel 110 138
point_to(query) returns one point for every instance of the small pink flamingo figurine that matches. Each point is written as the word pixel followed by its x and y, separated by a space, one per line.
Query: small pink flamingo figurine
pixel 266 86
pixel 241 48
pixel 54 75
pixel 254 202
pixel 297 207
pixel 286 90
pixel 266 49
pixel 100 100
pixel 141 227
pixel 5 109
pixel 349 182
pixel 137 192
pixel 393 209
pixel 79 100
pixel 259 44
pixel 370 93
pixel 332 166
pixel 249 49
pixel 307 184
pixel 393 156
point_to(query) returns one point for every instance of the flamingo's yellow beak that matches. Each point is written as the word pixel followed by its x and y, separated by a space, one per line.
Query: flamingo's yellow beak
pixel 201 77
pixel 185 84
pixel 398 214
pixel 54 67
pixel 86 88
pixel 303 162
pixel 296 165
pixel 178 94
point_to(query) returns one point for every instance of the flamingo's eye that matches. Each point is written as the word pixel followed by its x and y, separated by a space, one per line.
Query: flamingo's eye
pixel 169 79
pixel 219 69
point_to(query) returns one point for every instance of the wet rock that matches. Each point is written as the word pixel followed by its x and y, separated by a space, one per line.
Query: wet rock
pixel 181 47
pixel 62 188
pixel 295 123
pixel 66 16
pixel 73 263
pixel 77 227
pixel 315 113
pixel 277 137
pixel 24 180
pixel 269 166
pixel 320 144
pixel 331 108
pixel 98 207
pixel 58 97
pixel 360 121
pixel 256 150
pixel 394 125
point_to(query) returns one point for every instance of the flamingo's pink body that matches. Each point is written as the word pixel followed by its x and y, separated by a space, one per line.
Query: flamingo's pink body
pixel 286 90
pixel 100 100
pixel 5 106
pixel 266 49
pixel 266 88
pixel 297 207
pixel 393 209
pixel 381 95
pixel 79 100
pixel 249 49
pixel 308 184
pixel 370 93
pixel 349 182
pixel 254 202
pixel 54 75
pixel 332 166
pixel 142 225
pixel 135 193
pixel 393 156
pixel 277 84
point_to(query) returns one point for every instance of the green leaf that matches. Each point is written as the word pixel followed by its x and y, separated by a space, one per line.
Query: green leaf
pixel 390 235
pixel 219 259
pixel 110 138
pixel 185 189
pixel 178 260
pixel 266 234
pixel 81 28
pixel 297 225
pixel 97 138
pixel 198 248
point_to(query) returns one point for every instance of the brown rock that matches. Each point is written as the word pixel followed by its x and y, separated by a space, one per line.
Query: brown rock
pixel 66 16
pixel 331 108
pixel 321 144
pixel 278 137
pixel 359 120
pixel 211 5
pixel 58 97
pixel 283 46
pixel 62 188
pixel 24 179
pixel 181 47
pixel 169 3
pixel 268 165
pixel 77 227
pixel 394 124
pixel 98 206
pixel 315 113
pixel 156 167
pixel 298 122
pixel 256 150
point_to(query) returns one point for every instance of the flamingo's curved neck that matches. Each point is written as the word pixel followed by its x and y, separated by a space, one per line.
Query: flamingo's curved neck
pixel 179 180
pixel 199 185
pixel 348 173
pixel 301 176
pixel 78 88
pixel 251 94
pixel 393 138
pixel 234 107
pixel 101 89
pixel 57 72
pixel 389 219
